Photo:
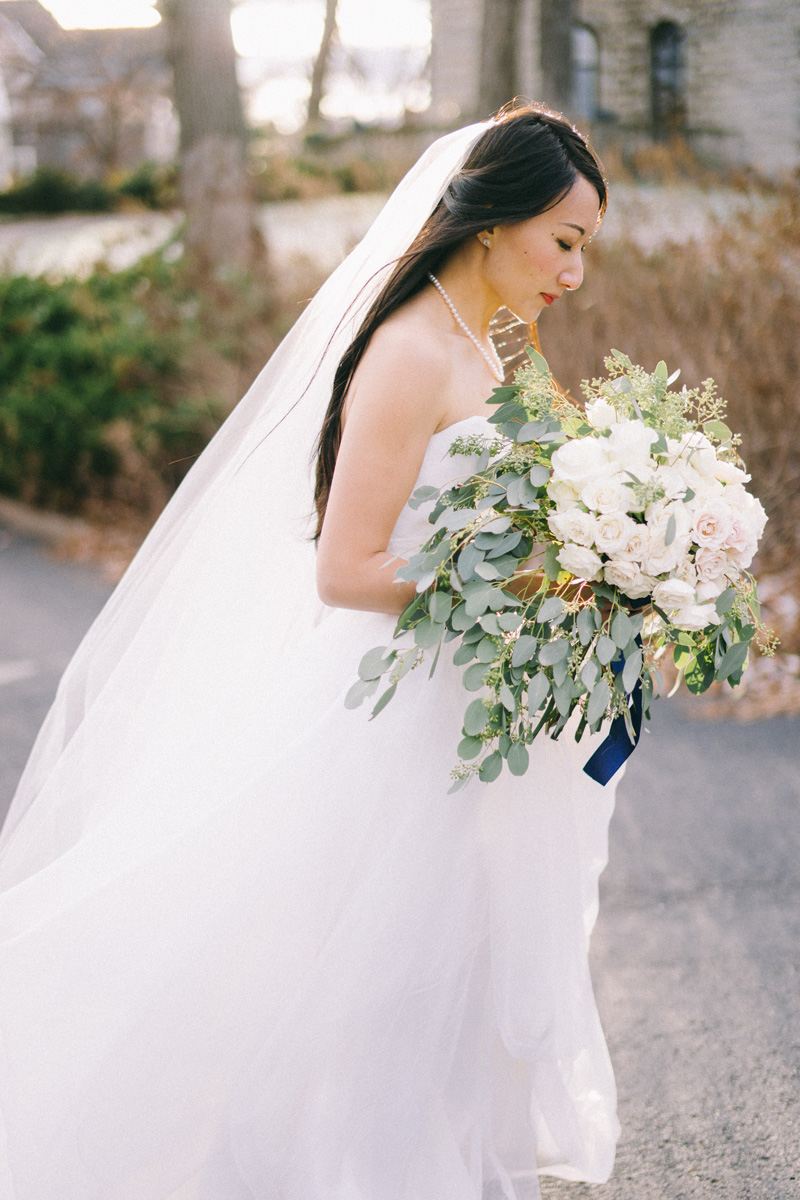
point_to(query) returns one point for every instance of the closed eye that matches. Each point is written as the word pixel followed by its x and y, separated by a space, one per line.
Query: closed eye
pixel 566 246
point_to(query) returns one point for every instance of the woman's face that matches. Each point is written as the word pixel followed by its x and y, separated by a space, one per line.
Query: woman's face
pixel 529 264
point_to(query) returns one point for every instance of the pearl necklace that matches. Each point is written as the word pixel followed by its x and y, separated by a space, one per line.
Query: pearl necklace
pixel 496 367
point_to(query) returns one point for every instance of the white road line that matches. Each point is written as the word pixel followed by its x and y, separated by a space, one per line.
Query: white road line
pixel 12 672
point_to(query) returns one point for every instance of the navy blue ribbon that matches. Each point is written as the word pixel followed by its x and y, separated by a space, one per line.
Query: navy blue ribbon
pixel 617 747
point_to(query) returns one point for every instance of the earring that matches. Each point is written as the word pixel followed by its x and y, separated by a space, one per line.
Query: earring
pixel 485 241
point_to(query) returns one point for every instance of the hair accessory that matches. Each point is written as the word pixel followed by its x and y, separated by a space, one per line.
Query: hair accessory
pixel 496 366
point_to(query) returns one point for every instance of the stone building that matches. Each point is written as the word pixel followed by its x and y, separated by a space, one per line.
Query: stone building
pixel 89 101
pixel 722 74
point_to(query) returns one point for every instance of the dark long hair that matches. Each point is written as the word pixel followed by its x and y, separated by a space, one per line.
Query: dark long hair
pixel 521 166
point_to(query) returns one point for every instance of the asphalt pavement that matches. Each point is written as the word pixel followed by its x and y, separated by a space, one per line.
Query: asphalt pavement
pixel 696 955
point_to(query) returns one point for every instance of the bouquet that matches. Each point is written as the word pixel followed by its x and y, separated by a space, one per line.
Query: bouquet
pixel 588 543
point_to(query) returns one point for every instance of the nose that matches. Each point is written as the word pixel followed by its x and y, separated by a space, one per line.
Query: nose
pixel 572 275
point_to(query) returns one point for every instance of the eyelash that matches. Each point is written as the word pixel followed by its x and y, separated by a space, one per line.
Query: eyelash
pixel 566 246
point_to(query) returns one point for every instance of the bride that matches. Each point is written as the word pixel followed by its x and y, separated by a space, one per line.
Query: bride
pixel 250 947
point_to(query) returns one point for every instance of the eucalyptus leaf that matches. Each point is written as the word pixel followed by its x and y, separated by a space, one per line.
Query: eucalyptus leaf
pixel 424 581
pixel 440 607
pixel 426 634
pixel 551 565
pixel 375 662
pixel 671 530
pixel 486 650
pixel 490 622
pixel 498 525
pixel 491 767
pixel 422 495
pixel 733 659
pixel 359 692
pixel 559 673
pixel 539 475
pixel 469 747
pixel 468 559
pixel 507 698
pixel 460 618
pixel 590 673
pixel 532 431
pixel 461 782
pixel 487 570
pixel 383 700
pixel 552 607
pixel 508 622
pixel 506 544
pixel 553 652
pixel 538 359
pixel 464 654
pixel 475 677
pixel 524 649
pixel 476 718
pixel 621 629
pixel 597 703
pixel 631 670
pixel 517 758
pixel 563 696
pixel 585 625
pixel 718 430
pixel 725 601
pixel 538 690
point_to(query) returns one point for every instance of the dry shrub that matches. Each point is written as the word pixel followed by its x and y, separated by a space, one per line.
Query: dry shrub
pixel 728 308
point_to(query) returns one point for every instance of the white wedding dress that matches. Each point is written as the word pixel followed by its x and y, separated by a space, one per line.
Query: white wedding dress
pixel 280 962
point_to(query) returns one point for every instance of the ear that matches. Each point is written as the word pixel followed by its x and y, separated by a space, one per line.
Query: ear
pixel 485 236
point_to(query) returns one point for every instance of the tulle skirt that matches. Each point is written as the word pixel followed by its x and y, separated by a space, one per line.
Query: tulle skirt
pixel 281 963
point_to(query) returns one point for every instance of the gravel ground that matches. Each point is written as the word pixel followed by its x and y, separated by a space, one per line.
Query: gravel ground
pixel 696 954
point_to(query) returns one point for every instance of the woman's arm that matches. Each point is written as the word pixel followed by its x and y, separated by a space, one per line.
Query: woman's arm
pixel 395 404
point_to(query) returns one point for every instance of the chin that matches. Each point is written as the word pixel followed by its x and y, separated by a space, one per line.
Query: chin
pixel 527 313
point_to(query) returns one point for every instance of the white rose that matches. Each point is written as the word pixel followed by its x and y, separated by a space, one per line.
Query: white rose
pixel 696 617
pixel 628 446
pixel 695 448
pixel 564 494
pixel 606 494
pixel 573 525
pixel 671 481
pixel 727 473
pixel 600 414
pixel 580 561
pixel 711 589
pixel 688 572
pixel 629 578
pixel 580 460
pixel 672 594
pixel 636 546
pixel 613 531
pixel 662 558
pixel 742 542
pixel 712 524
pixel 710 563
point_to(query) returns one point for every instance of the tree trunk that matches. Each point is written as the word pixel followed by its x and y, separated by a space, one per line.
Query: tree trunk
pixel 221 227
pixel 499 49
pixel 556 20
pixel 321 62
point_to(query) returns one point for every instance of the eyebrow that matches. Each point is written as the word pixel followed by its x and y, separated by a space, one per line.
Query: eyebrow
pixel 579 228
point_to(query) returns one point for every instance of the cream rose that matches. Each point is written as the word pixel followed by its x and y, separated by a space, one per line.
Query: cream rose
pixel 672 594
pixel 573 525
pixel 711 589
pixel 728 473
pixel 628 577
pixel 600 414
pixel 710 563
pixel 564 494
pixel 712 524
pixel 580 561
pixel 696 617
pixel 629 447
pixel 636 547
pixel 606 494
pixel 613 531
pixel 695 448
pixel 580 460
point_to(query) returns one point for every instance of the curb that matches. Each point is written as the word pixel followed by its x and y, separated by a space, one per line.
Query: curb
pixel 35 523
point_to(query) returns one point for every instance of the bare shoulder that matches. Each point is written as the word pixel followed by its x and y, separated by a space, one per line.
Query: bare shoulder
pixel 403 373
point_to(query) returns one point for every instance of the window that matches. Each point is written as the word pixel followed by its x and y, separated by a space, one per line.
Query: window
pixel 585 71
pixel 667 79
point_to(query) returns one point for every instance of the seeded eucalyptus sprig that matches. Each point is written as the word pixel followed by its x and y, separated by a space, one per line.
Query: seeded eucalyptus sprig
pixel 536 643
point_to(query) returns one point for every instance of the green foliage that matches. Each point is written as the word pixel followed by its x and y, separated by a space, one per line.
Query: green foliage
pixel 49 191
pixel 154 185
pixel 103 394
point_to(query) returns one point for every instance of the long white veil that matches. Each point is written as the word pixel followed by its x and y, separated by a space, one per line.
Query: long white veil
pixel 227 574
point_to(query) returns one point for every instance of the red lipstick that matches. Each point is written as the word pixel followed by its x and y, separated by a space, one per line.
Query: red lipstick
pixel 548 299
